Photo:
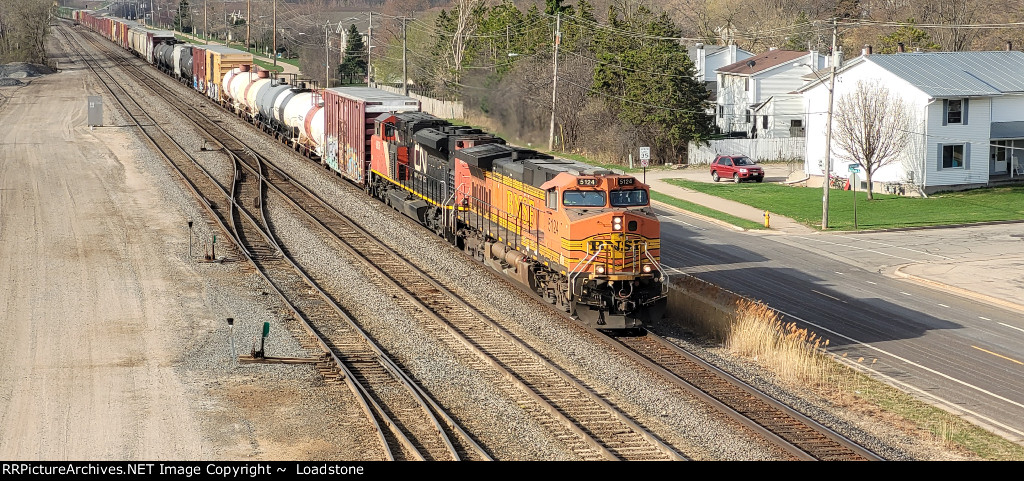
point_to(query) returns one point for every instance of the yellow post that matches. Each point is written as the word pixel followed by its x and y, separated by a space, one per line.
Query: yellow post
pixel 766 219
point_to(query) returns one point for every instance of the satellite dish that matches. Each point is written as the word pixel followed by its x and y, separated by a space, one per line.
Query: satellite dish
pixel 751 63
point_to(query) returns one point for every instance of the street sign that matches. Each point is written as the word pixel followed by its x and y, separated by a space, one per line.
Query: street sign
pixel 855 168
pixel 645 156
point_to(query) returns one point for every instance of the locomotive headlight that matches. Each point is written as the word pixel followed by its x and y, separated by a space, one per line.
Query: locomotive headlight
pixel 647 269
pixel 600 269
pixel 616 223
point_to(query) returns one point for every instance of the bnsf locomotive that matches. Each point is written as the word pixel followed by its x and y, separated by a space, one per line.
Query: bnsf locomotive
pixel 582 238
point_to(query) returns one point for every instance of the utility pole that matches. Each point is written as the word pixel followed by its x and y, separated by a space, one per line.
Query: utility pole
pixel 248 13
pixel 206 21
pixel 369 48
pixel 405 63
pixel 828 130
pixel 327 55
pixel 275 35
pixel 554 83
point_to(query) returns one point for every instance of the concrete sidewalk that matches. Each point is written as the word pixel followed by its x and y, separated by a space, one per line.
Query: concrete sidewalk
pixel 990 271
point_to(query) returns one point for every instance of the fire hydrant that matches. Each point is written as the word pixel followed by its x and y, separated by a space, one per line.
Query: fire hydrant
pixel 766 219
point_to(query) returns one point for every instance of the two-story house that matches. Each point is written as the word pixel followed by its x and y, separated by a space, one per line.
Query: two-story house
pixel 709 58
pixel 744 85
pixel 966 112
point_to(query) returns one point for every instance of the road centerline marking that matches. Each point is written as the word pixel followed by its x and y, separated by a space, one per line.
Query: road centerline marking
pixel 998 355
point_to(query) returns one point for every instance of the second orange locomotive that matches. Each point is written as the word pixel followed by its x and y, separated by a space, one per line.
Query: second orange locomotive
pixel 583 238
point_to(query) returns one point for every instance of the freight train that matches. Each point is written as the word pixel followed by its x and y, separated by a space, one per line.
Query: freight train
pixel 584 239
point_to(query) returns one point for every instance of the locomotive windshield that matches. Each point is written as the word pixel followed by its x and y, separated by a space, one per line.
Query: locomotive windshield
pixel 628 198
pixel 583 198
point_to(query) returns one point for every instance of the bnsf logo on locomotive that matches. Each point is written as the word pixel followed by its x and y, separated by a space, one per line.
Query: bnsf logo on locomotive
pixel 616 245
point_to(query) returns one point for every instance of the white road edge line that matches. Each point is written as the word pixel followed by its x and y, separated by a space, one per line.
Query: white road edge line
pixel 922 392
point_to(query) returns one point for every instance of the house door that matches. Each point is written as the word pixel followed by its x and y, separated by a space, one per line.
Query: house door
pixel 1000 158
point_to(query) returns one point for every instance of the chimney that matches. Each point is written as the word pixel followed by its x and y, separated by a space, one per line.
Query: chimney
pixel 812 58
pixel 1009 45
pixel 900 48
pixel 732 53
pixel 866 50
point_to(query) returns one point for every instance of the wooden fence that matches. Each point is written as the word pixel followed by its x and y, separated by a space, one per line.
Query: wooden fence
pixel 446 109
pixel 761 150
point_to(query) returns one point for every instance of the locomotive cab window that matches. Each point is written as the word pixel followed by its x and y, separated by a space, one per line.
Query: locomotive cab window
pixel 628 198
pixel 584 198
pixel 551 199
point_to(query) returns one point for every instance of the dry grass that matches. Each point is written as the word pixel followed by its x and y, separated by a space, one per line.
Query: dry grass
pixel 798 357
pixel 795 354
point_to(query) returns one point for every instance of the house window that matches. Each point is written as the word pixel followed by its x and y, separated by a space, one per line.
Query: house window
pixel 764 122
pixel 748 116
pixel 954 111
pixel 796 123
pixel 746 84
pixel 953 156
pixel 721 111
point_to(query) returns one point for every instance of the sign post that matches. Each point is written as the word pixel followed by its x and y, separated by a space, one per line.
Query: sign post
pixel 645 160
pixel 854 168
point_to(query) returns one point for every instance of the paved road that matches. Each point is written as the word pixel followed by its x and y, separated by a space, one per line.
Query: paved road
pixel 935 311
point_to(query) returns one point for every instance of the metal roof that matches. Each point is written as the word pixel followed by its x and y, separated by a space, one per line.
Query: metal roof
pixel 957 74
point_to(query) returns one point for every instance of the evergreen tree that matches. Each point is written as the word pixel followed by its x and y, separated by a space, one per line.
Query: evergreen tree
pixel 354 63
pixel 910 36
pixel 182 19
pixel 649 82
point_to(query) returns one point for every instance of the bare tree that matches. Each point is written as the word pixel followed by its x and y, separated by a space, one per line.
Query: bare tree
pixel 871 127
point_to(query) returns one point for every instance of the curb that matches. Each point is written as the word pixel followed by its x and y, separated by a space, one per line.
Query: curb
pixel 957 290
pixel 698 216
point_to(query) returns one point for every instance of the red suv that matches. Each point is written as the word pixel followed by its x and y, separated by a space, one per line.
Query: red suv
pixel 736 167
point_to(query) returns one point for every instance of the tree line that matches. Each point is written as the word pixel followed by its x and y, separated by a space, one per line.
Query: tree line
pixel 23 27
pixel 621 83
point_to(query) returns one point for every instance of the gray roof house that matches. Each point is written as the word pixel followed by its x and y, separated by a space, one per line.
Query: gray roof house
pixel 966 110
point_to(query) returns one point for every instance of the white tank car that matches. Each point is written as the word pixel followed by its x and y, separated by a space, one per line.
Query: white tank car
pixel 279 104
pixel 315 131
pixel 176 56
pixel 235 83
pixel 251 92
pixel 299 109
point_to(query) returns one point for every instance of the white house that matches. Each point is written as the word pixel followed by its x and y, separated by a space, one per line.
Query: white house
pixel 744 85
pixel 967 111
pixel 708 58
pixel 779 116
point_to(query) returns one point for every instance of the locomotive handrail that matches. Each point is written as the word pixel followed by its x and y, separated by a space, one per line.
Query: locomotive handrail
pixel 573 275
pixel 657 265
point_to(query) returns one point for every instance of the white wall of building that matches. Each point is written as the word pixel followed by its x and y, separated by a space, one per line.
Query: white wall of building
pixel 816 114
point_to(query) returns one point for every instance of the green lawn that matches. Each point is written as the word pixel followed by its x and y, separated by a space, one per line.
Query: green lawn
pixel 885 211
pixel 706 211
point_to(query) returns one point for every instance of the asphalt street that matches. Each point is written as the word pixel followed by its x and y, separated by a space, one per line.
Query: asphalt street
pixel 949 345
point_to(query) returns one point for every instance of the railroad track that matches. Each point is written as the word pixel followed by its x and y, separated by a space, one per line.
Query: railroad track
pixel 589 425
pixel 570 409
pixel 799 435
pixel 413 431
